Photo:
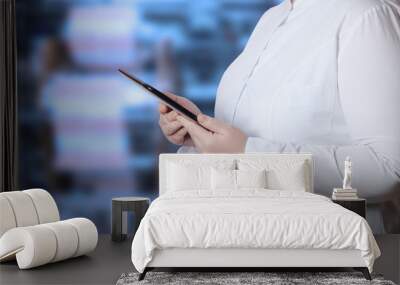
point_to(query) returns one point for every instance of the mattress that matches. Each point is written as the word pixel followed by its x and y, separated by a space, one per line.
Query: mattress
pixel 250 219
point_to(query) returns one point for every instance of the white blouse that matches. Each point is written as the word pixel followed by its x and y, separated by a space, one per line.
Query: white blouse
pixel 323 77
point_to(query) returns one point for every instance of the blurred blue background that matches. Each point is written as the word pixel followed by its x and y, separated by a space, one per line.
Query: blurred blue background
pixel 87 134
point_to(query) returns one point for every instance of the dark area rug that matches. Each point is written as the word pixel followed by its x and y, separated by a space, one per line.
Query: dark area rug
pixel 273 278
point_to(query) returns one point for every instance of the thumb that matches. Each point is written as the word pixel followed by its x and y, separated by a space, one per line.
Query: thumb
pixel 211 124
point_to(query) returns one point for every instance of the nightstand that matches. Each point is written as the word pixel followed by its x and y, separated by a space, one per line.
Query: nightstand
pixel 120 207
pixel 358 206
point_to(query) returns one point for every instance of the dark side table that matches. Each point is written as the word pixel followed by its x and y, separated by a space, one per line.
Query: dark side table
pixel 357 206
pixel 120 208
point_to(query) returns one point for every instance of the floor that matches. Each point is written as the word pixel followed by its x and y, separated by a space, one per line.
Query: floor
pixel 389 263
pixel 110 260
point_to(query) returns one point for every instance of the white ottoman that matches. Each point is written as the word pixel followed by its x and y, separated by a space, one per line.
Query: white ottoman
pixel 31 232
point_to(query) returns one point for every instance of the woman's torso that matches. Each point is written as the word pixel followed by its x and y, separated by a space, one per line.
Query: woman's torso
pixel 283 86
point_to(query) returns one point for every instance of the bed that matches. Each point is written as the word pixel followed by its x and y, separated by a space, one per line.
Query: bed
pixel 247 211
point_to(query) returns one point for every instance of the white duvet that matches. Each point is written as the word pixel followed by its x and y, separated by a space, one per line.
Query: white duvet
pixel 250 219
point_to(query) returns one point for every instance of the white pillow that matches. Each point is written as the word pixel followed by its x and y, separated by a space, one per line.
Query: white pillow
pixel 227 179
pixel 223 179
pixel 251 178
pixel 282 174
pixel 186 175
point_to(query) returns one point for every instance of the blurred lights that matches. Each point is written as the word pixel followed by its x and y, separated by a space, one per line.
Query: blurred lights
pixel 101 35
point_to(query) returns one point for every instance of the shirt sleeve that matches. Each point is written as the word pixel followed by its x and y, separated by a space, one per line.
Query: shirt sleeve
pixel 369 90
pixel 187 149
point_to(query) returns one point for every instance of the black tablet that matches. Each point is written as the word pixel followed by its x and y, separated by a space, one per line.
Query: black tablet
pixel 164 98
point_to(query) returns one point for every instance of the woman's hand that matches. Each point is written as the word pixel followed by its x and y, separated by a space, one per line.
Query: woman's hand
pixel 213 136
pixel 172 129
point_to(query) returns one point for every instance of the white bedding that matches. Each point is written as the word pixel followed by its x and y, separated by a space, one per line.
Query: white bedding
pixel 250 218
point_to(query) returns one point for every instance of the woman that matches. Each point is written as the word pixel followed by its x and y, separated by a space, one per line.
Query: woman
pixel 315 76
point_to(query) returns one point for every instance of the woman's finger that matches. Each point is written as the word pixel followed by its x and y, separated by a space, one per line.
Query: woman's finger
pixel 172 96
pixel 171 116
pixel 168 127
pixel 197 132
pixel 172 127
pixel 179 136
pixel 167 118
pixel 184 102
pixel 162 108
pixel 188 105
pixel 212 124
pixel 162 121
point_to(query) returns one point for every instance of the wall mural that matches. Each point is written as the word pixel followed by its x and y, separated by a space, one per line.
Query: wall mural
pixel 87 135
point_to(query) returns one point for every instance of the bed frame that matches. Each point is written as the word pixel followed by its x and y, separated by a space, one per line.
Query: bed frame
pixel 247 259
